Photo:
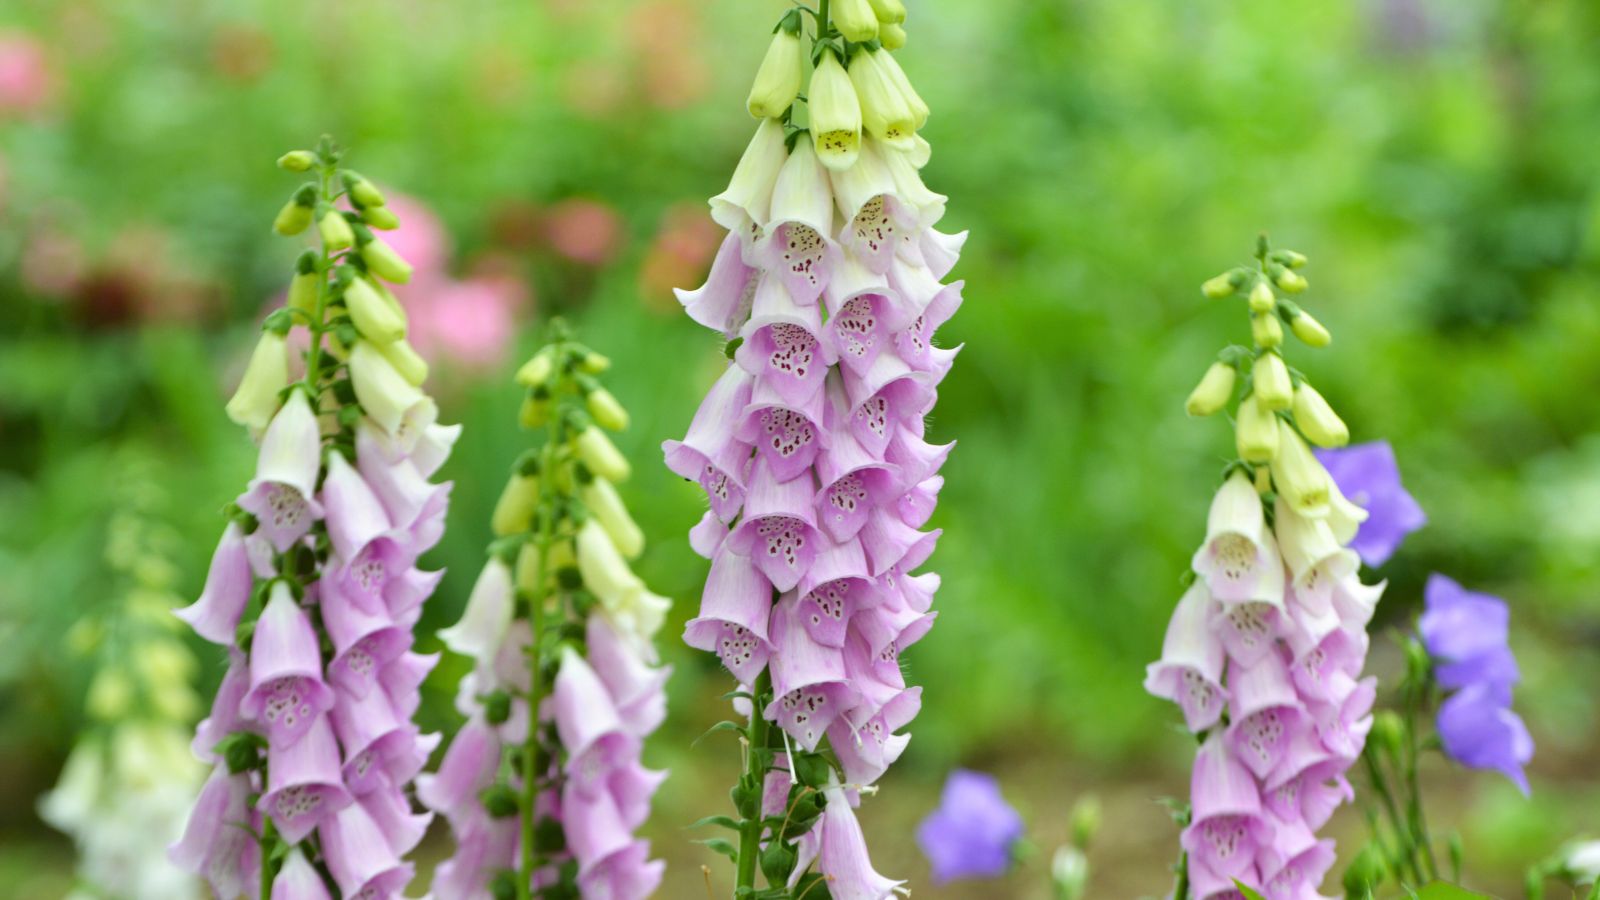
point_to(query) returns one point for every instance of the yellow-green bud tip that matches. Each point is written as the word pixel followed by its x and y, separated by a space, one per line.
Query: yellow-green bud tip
pixel 297 161
pixel 1262 300
pixel 1310 331
pixel 1290 281
pixel 892 35
pixel 336 232
pixel 1266 330
pixel 1213 392
pixel 1220 287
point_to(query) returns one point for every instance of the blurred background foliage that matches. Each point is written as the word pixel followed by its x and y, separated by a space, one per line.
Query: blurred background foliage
pixel 1435 158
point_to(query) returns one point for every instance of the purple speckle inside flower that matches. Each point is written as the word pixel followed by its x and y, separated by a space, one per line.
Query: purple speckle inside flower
pixel 1369 477
pixel 972 833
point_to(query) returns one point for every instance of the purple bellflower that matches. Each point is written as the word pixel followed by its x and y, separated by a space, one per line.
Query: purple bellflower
pixel 974 831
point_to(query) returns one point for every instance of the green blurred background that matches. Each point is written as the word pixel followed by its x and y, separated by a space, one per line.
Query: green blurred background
pixel 1437 159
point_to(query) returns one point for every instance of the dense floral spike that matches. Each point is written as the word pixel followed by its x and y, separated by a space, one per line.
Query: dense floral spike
pixel 811 448
pixel 559 630
pixel 1265 650
pixel 314 587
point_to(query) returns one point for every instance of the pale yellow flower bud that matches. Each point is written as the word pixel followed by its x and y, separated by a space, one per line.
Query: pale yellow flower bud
pixel 607 412
pixel 1262 300
pixel 1273 388
pixel 393 402
pixel 1290 281
pixel 1302 481
pixel 1220 287
pixel 378 318
pixel 593 363
pixel 889 12
pixel 1310 331
pixel 303 291
pixel 406 360
pixel 601 456
pixel 1256 432
pixel 381 218
pixel 336 232
pixel 884 110
pixel 513 512
pixel 529 570
pixel 1214 390
pixel 535 411
pixel 777 82
pixel 297 161
pixel 384 262
pixel 855 20
pixel 267 374
pixel 292 219
pixel 892 35
pixel 362 191
pixel 835 114
pixel 1317 420
pixel 1266 330
pixel 897 77
pixel 538 369
pixel 603 502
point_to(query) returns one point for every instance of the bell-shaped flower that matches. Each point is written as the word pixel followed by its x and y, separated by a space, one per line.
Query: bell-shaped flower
pixel 266 375
pixel 1319 646
pixel 835 114
pixel 280 496
pixel 777 82
pixel 872 664
pixel 876 222
pixel 484 846
pixel 798 247
pixel 635 687
pixel 1467 634
pixel 1249 628
pixel 287 693
pixel 407 495
pixel 853 483
pixel 1236 556
pixel 297 879
pixel 887 394
pixel 928 205
pixel 1479 730
pixel 916 506
pixel 229 582
pixel 734 613
pixel 380 748
pixel 940 251
pixel 391 810
pixel 897 76
pixel 787 437
pixel 591 731
pixel 431 448
pixel 921 295
pixel 864 315
pixel 469 766
pixel 890 543
pixel 364 641
pixel 1369 476
pixel 885 112
pixel 1226 826
pixel 1189 672
pixel 225 718
pixel 918 460
pixel 723 302
pixel 778 530
pixel 783 345
pixel 1344 518
pixel 627 873
pixel 600 497
pixel 1300 479
pixel 1314 557
pixel 1355 602
pixel 745 206
pixel 1205 884
pixel 304 782
pixel 631 786
pixel 834 589
pixel 1264 713
pixel 867 749
pixel 1305 785
pixel 710 454
pixel 402 679
pixel 810 686
pixel 217 844
pixel 394 403
pixel 1343 719
pixel 974 831
pixel 843 859
pixel 594 829
pixel 359 856
pixel 487 618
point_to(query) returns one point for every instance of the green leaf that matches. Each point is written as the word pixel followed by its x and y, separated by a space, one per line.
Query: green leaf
pixel 724 725
pixel 721 846
pixel 1248 893
pixel 1442 891
pixel 724 821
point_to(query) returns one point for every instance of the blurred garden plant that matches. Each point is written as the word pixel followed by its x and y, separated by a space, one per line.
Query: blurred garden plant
pixel 314 587
pixel 812 449
pixel 127 784
pixel 557 622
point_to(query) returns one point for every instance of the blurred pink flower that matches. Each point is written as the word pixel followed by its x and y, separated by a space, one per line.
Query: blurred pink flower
pixel 470 323
pixel 27 84
pixel 421 238
pixel 584 231
pixel 679 255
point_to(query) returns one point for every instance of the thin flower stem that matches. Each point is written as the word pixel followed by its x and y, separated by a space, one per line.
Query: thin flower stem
pixel 1418 820
pixel 1180 890
pixel 318 323
pixel 756 736
pixel 822 19
pixel 1407 850
pixel 269 840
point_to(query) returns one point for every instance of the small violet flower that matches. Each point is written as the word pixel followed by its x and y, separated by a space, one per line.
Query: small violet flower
pixel 973 832
pixel 1368 475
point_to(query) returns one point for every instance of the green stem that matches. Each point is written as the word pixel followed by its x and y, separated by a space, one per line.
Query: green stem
pixel 1180 890
pixel 318 324
pixel 1407 850
pixel 269 839
pixel 822 19
pixel 530 756
pixel 1418 821
pixel 756 736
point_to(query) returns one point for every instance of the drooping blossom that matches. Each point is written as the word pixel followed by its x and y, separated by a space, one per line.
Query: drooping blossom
pixel 606 695
pixel 311 732
pixel 1369 477
pixel 1466 634
pixel 974 831
pixel 1265 651
pixel 813 450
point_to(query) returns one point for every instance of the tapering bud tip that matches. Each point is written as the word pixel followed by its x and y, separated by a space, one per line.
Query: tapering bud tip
pixel 384 262
pixel 538 369
pixel 1311 332
pixel 1288 280
pixel 1221 287
pixel 362 191
pixel 855 20
pixel 295 216
pixel 606 410
pixel 777 82
pixel 1213 392
pixel 1262 300
pixel 1317 420
pixel 892 36
pixel 297 161
pixel 380 217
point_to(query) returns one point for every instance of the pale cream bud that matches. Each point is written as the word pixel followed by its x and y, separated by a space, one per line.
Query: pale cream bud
pixel 1301 481
pixel 1262 300
pixel 267 374
pixel 855 20
pixel 336 232
pixel 607 412
pixel 1317 420
pixel 379 318
pixel 513 512
pixel 384 262
pixel 1273 388
pixel 777 82
pixel 1256 432
pixel 601 456
pixel 835 113
pixel 406 360
pixel 1214 390
pixel 1310 331
pixel 1266 330
pixel 603 502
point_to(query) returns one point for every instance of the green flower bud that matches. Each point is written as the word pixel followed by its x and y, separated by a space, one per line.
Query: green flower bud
pixel 592 363
pixel 256 401
pixel 504 885
pixel 777 82
pixel 601 497
pixel 1085 821
pixel 336 233
pixel 303 286
pixel 362 191
pixel 513 512
pixel 1302 481
pixel 607 412
pixel 1365 873
pixel 1317 420
pixel 835 113
pixel 1288 258
pixel 406 360
pixel 1266 330
pixel 892 35
pixel 295 216
pixel 889 12
pixel 1221 287
pixel 538 369
pixel 1388 732
pixel 1256 432
pixel 499 800
pixel 1272 386
pixel 855 20
pixel 1288 280
pixel 378 317
pixel 1213 392
pixel 497 708
pixel 1310 331
pixel 535 411
pixel 297 161
pixel 1262 300
pixel 380 217
pixel 383 262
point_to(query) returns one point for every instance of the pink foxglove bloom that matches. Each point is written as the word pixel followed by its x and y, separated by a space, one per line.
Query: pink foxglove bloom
pixel 579 733
pixel 313 718
pixel 1265 651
